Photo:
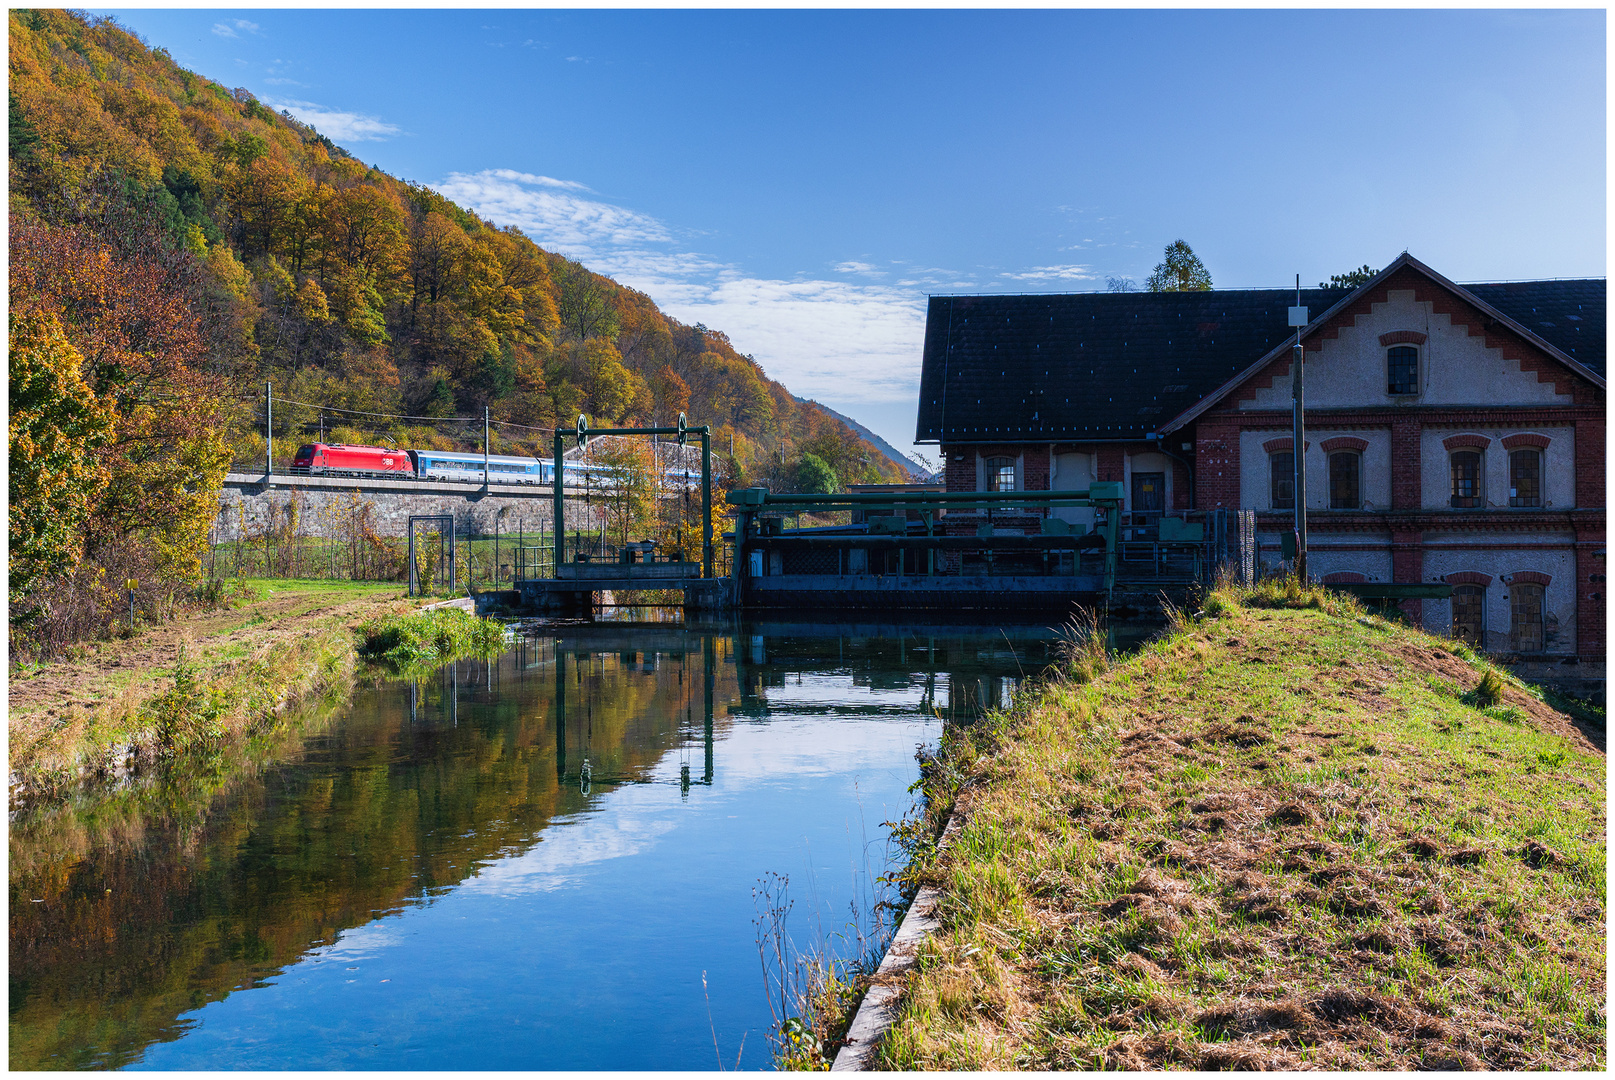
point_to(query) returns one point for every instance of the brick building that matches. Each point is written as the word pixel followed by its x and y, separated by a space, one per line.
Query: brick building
pixel 1455 433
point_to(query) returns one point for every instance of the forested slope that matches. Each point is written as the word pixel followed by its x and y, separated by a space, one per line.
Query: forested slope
pixel 176 243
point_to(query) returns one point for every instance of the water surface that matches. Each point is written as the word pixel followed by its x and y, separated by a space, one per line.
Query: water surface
pixel 524 864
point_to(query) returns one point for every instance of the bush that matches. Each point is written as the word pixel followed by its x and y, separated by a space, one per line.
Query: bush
pixel 189 715
pixel 429 637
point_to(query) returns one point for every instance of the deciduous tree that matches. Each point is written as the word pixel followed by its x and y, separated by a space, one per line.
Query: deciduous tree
pixel 1180 270
pixel 58 427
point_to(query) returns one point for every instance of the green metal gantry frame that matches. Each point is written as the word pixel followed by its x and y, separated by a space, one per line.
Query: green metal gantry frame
pixel 750 502
pixel 683 431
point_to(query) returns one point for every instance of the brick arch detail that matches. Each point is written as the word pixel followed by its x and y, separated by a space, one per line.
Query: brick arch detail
pixel 1403 337
pixel 1279 446
pixel 1528 438
pixel 1468 577
pixel 1344 442
pixel 1343 577
pixel 1455 442
pixel 1528 577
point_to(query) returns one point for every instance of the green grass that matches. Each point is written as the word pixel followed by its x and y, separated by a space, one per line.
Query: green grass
pixel 427 638
pixel 1289 834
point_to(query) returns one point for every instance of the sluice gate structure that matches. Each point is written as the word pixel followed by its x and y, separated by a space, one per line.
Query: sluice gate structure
pixel 961 551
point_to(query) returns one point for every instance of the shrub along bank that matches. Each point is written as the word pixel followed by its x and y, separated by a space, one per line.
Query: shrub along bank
pixel 1289 834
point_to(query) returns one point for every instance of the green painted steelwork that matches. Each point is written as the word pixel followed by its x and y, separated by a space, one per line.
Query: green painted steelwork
pixel 683 431
pixel 753 503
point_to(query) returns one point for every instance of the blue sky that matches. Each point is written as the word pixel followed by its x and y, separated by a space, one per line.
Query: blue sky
pixel 802 180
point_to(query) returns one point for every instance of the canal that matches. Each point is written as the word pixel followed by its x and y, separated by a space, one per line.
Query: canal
pixel 546 861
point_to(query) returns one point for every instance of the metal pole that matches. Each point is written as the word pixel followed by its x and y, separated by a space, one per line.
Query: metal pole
pixel 269 431
pixel 1300 447
pixel 485 446
pixel 556 484
pixel 706 503
pixel 412 574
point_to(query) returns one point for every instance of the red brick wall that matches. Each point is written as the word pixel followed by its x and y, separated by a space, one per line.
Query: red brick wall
pixel 1407 565
pixel 1405 468
pixel 1216 481
pixel 960 472
pixel 1110 464
pixel 1589 464
pixel 1180 485
pixel 1591 594
pixel 1035 468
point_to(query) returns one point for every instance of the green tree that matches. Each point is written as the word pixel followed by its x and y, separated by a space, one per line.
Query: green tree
pixel 1180 270
pixel 584 302
pixel 23 136
pixel 1351 279
pixel 57 427
pixel 814 477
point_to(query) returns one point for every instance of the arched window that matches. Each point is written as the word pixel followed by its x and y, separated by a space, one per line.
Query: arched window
pixel 1345 471
pixel 1000 474
pixel 1525 609
pixel 1469 614
pixel 1283 479
pixel 1525 478
pixel 1468 481
pixel 1402 369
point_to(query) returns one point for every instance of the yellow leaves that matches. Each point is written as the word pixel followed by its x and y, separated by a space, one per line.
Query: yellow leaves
pixel 195 240
pixel 229 271
pixel 57 425
pixel 311 302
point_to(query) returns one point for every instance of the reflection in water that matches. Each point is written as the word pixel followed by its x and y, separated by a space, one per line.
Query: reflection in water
pixel 520 864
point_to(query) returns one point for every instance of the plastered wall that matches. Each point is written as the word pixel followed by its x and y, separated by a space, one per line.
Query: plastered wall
pixel 1559 595
pixel 1348 371
pixel 1558 465
pixel 1374 479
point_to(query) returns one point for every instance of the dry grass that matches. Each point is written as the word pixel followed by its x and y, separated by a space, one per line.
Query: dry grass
pixel 117 705
pixel 1289 836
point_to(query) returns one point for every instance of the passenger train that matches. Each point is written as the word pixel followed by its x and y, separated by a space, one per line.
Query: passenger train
pixel 323 459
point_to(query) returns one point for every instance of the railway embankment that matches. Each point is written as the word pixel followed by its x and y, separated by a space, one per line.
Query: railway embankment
pixel 199 686
pixel 1289 834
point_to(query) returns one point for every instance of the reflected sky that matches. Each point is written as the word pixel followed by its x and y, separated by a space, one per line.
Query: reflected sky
pixel 447 887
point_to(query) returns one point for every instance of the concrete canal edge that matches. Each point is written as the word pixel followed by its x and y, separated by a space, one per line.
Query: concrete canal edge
pixel 878 1011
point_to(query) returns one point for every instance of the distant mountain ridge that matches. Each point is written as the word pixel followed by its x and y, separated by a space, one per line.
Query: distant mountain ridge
pixel 891 453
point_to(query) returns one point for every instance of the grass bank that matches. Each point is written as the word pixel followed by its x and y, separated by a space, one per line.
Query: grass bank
pixel 1287 835
pixel 201 687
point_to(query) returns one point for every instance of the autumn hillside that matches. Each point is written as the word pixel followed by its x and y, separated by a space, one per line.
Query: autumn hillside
pixel 175 244
pixel 355 289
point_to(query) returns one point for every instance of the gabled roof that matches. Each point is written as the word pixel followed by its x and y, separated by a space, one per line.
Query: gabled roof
pixel 1097 366
pixel 1088 366
pixel 1570 301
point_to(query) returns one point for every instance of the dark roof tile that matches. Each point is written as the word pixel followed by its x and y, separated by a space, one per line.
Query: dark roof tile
pixel 1114 365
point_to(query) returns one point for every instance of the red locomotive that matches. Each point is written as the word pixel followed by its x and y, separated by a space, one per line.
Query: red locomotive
pixel 321 459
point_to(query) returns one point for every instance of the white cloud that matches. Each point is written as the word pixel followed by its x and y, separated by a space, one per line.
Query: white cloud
pixel 830 339
pixel 224 30
pixel 866 269
pixel 228 29
pixel 551 212
pixel 273 81
pixel 334 124
pixel 1054 273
